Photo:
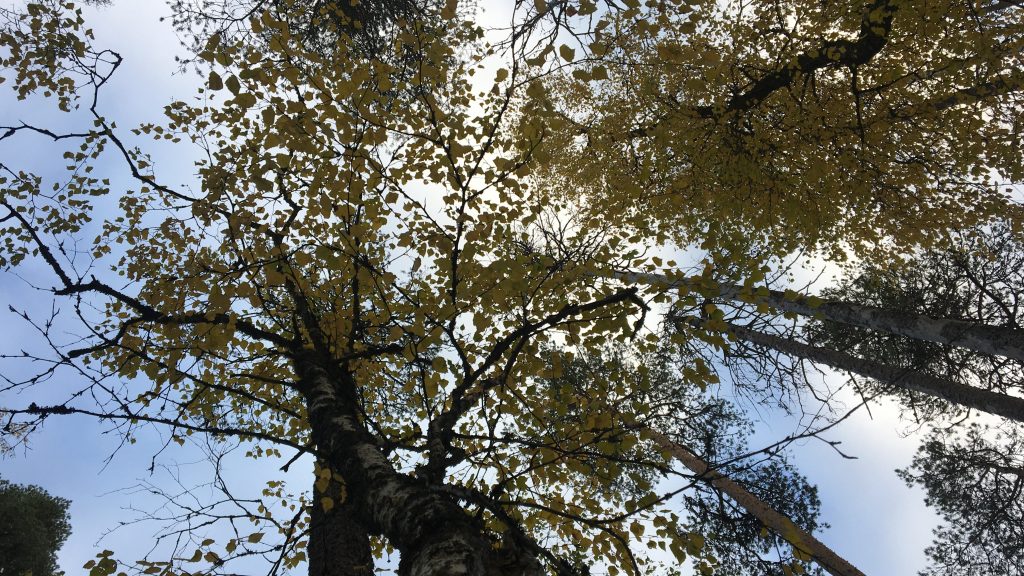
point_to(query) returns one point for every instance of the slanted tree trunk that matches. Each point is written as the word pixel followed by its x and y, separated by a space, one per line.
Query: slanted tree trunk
pixel 432 532
pixel 984 338
pixel 1003 405
pixel 775 521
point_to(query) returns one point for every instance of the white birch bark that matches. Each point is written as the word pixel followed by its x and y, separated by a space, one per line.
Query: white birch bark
pixel 432 532
pixel 984 338
pixel 1004 405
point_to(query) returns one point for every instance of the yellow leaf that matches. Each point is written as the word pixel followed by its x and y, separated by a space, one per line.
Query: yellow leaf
pixel 245 100
pixel 566 53
pixel 431 385
pixel 327 503
pixel 232 84
pixel 450 9
pixel 214 81
pixel 439 364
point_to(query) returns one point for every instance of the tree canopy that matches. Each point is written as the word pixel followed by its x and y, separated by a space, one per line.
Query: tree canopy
pixel 424 258
pixel 33 526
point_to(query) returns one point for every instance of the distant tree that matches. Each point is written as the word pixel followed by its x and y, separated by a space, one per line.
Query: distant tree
pixel 740 541
pixel 33 526
pixel 976 482
pixel 943 395
pixel 369 23
pixel 939 333
pixel 973 477
pixel 713 433
pixel 978 278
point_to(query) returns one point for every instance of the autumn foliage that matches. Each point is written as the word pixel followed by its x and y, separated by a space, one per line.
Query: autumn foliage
pixel 407 258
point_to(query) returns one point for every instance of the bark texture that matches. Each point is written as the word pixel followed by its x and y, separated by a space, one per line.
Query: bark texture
pixel 338 544
pixel 984 338
pixel 433 533
pixel 1003 405
pixel 779 523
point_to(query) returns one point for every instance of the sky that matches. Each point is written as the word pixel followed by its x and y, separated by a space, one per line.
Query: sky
pixel 877 523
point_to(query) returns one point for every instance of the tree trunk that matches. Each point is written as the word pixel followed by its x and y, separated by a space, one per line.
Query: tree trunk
pixel 338 544
pixel 433 533
pixel 778 523
pixel 984 338
pixel 968 396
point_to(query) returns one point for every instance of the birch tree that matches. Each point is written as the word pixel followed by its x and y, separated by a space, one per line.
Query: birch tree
pixel 975 280
pixel 356 276
pixel 348 281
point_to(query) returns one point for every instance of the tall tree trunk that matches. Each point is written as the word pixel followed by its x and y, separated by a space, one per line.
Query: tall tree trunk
pixel 1004 405
pixel 984 338
pixel 338 544
pixel 433 533
pixel 778 523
